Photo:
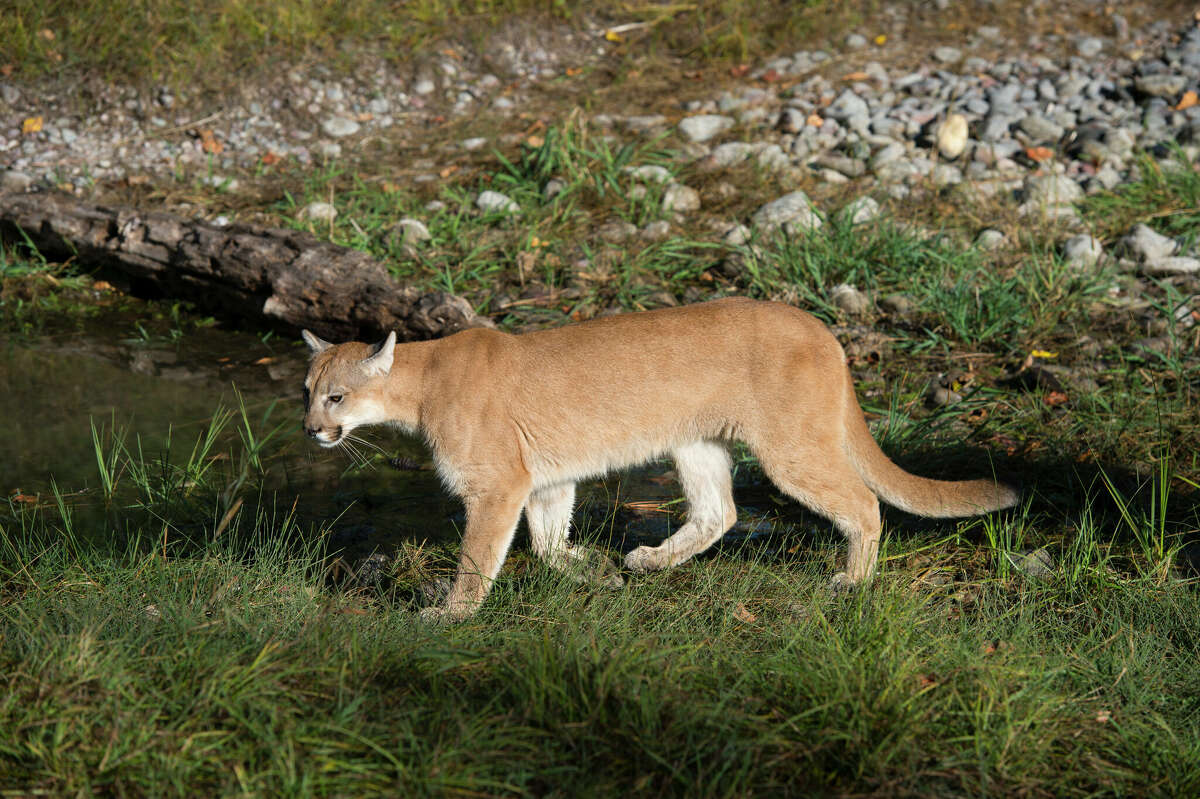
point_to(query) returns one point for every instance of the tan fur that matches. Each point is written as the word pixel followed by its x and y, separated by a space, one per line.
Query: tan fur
pixel 514 421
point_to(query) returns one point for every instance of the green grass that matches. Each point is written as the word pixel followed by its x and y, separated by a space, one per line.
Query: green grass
pixel 172 645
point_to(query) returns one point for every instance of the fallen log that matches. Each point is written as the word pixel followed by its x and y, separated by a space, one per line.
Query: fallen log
pixel 281 277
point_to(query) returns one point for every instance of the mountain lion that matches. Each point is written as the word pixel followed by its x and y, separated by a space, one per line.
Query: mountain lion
pixel 514 421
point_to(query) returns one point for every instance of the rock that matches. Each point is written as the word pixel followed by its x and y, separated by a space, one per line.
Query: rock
pixel 13 181
pixel 951 136
pixel 1035 565
pixel 850 299
pixel 1163 85
pixel 411 231
pixel 1089 46
pixel 731 153
pixel 736 236
pixel 940 396
pixel 1048 190
pixel 944 175
pixel 1144 245
pixel 704 127
pixel 645 123
pixel 947 55
pixel 553 188
pixel 854 41
pixel 339 127
pixel 860 210
pixel 679 198
pixel 616 231
pixel 898 304
pixel 473 144
pixel 656 231
pixel 1040 129
pixel 1082 252
pixel 989 240
pixel 650 173
pixel 850 167
pixel 1174 265
pixel 318 212
pixel 794 207
pixel 850 108
pixel 494 202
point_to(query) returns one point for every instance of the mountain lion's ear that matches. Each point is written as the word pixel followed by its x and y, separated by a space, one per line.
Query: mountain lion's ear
pixel 379 363
pixel 316 344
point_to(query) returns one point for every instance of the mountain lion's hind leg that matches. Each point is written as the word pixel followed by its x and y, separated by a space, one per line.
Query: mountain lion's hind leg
pixel 548 515
pixel 821 477
pixel 703 469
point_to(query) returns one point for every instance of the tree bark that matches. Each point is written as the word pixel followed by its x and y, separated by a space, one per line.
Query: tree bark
pixel 267 274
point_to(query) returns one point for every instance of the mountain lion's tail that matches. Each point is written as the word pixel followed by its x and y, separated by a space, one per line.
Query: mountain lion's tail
pixel 919 495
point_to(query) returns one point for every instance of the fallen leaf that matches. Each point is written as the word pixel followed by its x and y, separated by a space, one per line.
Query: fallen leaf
pixel 270 158
pixel 32 124
pixel 855 76
pixel 1189 99
pixel 814 121
pixel 1055 398
pixel 103 285
pixel 446 172
pixel 263 360
pixel 535 141
pixel 612 36
pixel 925 681
pixel 28 499
pixel 46 34
pixel 1103 716
pixel 6 69
pixel 881 39
pixel 365 116
pixel 1044 354
pixel 977 416
pixel 209 142
pixel 739 70
pixel 1039 154
pixel 772 76
pixel 573 71
pixel 742 614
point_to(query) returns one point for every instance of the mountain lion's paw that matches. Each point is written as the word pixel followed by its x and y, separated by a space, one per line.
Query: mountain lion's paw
pixel 437 615
pixel 841 582
pixel 644 559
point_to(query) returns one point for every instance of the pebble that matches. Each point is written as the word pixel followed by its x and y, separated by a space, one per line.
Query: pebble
pixel 989 240
pixel 553 187
pixel 951 136
pixel 794 207
pixel 1164 85
pixel 656 231
pixel 494 202
pixel 13 181
pixel 861 209
pixel 339 127
pixel 1050 190
pixel 318 212
pixel 411 231
pixel 1145 245
pixel 1082 252
pixel 1173 265
pixel 650 173
pixel 947 55
pixel 848 298
pixel 679 198
pixel 704 127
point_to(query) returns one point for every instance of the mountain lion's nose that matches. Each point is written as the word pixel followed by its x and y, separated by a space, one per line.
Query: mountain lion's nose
pixel 312 430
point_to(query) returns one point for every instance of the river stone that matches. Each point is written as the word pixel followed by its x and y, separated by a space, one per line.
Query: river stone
pixel 861 209
pixel 680 199
pixel 1082 252
pixel 553 188
pixel 951 136
pixel 704 127
pixel 1047 190
pixel 1145 245
pixel 731 153
pixel 657 230
pixel 1089 46
pixel 339 127
pixel 1174 265
pixel 947 55
pixel 850 299
pixel 318 212
pixel 13 181
pixel 794 207
pixel 1041 129
pixel 1164 85
pixel 651 173
pixel 411 231
pixel 944 175
pixel 494 202
pixel 989 239
pixel 849 108
pixel 736 236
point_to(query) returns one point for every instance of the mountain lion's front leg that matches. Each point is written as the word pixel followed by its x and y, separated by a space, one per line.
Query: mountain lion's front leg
pixel 491 523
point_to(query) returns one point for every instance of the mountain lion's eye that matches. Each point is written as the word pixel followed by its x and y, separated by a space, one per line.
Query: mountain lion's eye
pixel 335 398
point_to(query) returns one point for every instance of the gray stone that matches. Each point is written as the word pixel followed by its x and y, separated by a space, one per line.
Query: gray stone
pixel 850 299
pixel 645 123
pixel 861 209
pixel 1174 265
pixel 1163 85
pixel 704 127
pixel 340 127
pixel 794 207
pixel 553 187
pixel 845 165
pixel 989 240
pixel 656 231
pixel 1145 245
pixel 792 120
pixel 411 231
pixel 1040 129
pixel 13 181
pixel 1049 190
pixel 318 212
pixel 886 154
pixel 424 86
pixel 731 153
pixel 650 173
pixel 473 144
pixel 944 175
pixel 855 41
pixel 947 55
pixel 10 94
pixel 1089 46
pixel 1082 252
pixel 616 231
pixel 849 108
pixel 494 202
pixel 772 158
pixel 898 304
pixel 736 236
pixel 1036 565
pixel 679 198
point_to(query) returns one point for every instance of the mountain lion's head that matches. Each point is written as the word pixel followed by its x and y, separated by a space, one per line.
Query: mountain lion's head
pixel 344 387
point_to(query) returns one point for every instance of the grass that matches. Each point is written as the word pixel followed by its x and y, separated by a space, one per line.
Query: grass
pixel 221 657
